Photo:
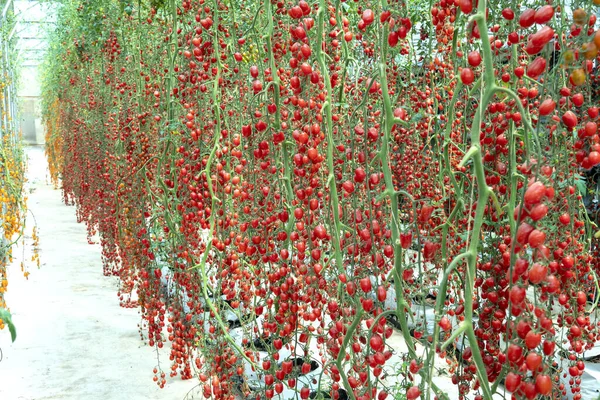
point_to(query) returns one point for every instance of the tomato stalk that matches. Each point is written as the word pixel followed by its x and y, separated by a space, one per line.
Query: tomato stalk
pixel 326 108
pixel 392 195
pixel 207 172
pixel 287 169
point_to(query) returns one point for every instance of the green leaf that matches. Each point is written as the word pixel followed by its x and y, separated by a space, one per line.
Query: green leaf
pixel 580 182
pixel 416 118
pixel 5 316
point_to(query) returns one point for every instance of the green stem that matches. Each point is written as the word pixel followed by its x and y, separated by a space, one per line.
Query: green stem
pixel 331 181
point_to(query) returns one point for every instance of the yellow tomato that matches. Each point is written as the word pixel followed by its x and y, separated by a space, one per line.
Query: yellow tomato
pixel 579 16
pixel 569 57
pixel 589 50
pixel 578 77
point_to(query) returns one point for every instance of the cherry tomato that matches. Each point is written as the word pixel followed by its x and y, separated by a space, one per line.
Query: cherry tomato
pixel 466 76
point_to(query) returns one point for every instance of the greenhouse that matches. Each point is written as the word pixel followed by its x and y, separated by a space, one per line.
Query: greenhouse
pixel 300 199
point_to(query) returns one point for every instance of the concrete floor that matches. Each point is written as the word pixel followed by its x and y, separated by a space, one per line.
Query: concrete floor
pixel 74 340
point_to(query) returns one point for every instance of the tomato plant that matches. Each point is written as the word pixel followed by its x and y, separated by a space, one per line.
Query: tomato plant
pixel 12 168
pixel 309 173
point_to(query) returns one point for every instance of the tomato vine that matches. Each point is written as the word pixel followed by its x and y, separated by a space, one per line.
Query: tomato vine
pixel 276 181
pixel 13 207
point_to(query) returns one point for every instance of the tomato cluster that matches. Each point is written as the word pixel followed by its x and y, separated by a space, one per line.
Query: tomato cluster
pixel 269 176
pixel 13 207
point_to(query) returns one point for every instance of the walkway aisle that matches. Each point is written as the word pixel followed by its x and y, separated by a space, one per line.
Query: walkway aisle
pixel 74 341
